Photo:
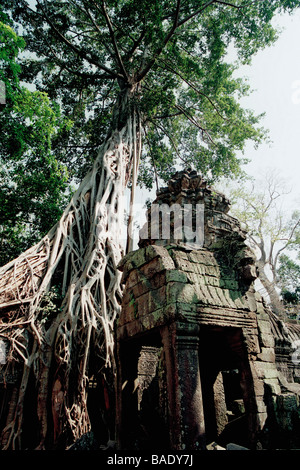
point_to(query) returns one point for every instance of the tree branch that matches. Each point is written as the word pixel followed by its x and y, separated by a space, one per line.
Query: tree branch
pixel 152 158
pixel 191 85
pixel 162 128
pixel 197 12
pixel 96 27
pixel 229 5
pixel 176 24
pixel 288 242
pixel 193 121
pixel 136 44
pixel 150 64
pixel 78 51
pixel 75 72
pixel 167 116
pixel 115 46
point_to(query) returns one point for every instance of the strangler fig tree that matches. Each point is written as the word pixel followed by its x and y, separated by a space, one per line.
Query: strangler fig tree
pixel 147 86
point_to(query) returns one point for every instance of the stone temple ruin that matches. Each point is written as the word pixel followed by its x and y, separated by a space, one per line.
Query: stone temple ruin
pixel 201 358
pixel 202 361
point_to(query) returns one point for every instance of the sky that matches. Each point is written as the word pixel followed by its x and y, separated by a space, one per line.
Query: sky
pixel 274 75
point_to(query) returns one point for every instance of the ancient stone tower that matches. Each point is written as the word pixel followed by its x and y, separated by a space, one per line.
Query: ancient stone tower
pixel 195 344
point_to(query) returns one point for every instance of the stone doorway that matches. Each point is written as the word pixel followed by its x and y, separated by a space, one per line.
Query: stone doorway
pixel 142 402
pixel 227 386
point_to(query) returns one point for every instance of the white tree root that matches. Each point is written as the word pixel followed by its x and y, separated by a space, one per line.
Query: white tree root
pixel 79 256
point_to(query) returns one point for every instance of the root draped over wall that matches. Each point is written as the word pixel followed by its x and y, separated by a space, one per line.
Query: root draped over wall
pixel 78 258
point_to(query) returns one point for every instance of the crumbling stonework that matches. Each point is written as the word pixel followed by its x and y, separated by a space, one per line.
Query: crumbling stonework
pixel 217 376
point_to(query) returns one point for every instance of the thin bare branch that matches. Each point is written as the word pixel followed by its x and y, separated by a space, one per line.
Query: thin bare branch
pixel 165 132
pixel 114 42
pixel 78 51
pixel 136 44
pixel 96 28
pixel 75 71
pixel 196 13
pixel 152 158
pixel 191 85
pixel 167 38
pixel 195 122
pixel 238 7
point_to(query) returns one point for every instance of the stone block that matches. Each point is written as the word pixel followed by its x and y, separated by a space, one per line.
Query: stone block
pixel 152 267
pixel 177 276
pixel 273 385
pixel 214 299
pixel 156 281
pixel 259 387
pixel 203 294
pixel 261 406
pixel 132 279
pixel 128 315
pixel 136 291
pixel 157 298
pixel 261 311
pixel 266 339
pixel 250 298
pixel 266 370
pixel 237 298
pixel 264 326
pixel 199 269
pixel 212 271
pixel 221 295
pixel 151 255
pixel 153 251
pixel 195 278
pixel 262 418
pixel 178 291
pixel 267 355
pixel 229 301
pixel 187 309
pixel 178 254
pixel 211 281
pixel 251 342
pixel 141 305
pixel 186 265
pixel 288 402
pixel 203 257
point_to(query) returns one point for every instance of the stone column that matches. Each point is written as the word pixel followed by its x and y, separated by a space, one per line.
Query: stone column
pixel 186 416
pixel 220 404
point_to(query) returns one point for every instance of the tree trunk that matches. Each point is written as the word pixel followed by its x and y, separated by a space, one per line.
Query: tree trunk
pixel 79 257
pixel 275 303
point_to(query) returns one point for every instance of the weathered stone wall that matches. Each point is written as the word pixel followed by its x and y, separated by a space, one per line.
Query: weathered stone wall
pixel 174 289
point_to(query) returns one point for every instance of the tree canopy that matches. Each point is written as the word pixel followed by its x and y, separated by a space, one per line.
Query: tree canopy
pixel 288 274
pixel 33 182
pixel 83 52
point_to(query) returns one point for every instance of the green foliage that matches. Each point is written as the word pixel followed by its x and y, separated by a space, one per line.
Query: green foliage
pixel 288 274
pixel 49 306
pixel 81 54
pixel 33 182
pixel 85 51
